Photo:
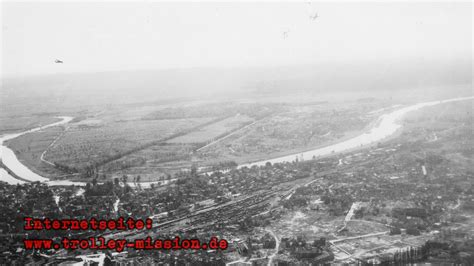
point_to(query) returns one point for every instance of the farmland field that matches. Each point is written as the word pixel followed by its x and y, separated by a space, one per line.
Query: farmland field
pixel 152 163
pixel 87 143
pixel 154 141
pixel 214 130
pixel 29 147
pixel 295 130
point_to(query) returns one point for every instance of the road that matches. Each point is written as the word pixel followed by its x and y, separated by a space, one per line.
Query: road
pixel 51 145
pixel 358 237
pixel 277 247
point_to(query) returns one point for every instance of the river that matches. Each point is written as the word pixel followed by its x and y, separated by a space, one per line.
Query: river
pixel 386 125
pixel 10 160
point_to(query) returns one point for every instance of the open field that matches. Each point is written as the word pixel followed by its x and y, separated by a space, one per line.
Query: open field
pixel 152 163
pixel 289 128
pixel 297 129
pixel 85 144
pixel 29 147
pixel 214 130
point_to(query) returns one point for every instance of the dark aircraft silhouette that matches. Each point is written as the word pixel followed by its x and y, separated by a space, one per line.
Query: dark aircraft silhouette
pixel 57 61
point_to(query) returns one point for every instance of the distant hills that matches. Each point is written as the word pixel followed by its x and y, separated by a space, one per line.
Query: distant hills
pixel 60 92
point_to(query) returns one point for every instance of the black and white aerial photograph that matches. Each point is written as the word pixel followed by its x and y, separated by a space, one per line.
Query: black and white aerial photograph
pixel 266 133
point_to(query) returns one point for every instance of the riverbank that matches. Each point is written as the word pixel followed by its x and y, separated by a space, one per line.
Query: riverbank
pixel 298 151
pixel 11 161
pixel 383 129
pixel 388 125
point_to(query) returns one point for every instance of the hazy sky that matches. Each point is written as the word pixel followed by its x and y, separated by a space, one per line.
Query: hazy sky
pixel 90 36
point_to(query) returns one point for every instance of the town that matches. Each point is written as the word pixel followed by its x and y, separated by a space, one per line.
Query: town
pixel 401 201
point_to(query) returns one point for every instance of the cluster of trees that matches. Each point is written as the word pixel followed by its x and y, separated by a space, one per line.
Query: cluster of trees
pixel 94 189
pixel 295 202
pixel 66 168
pixel 338 204
pixel 224 165
pixel 110 187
